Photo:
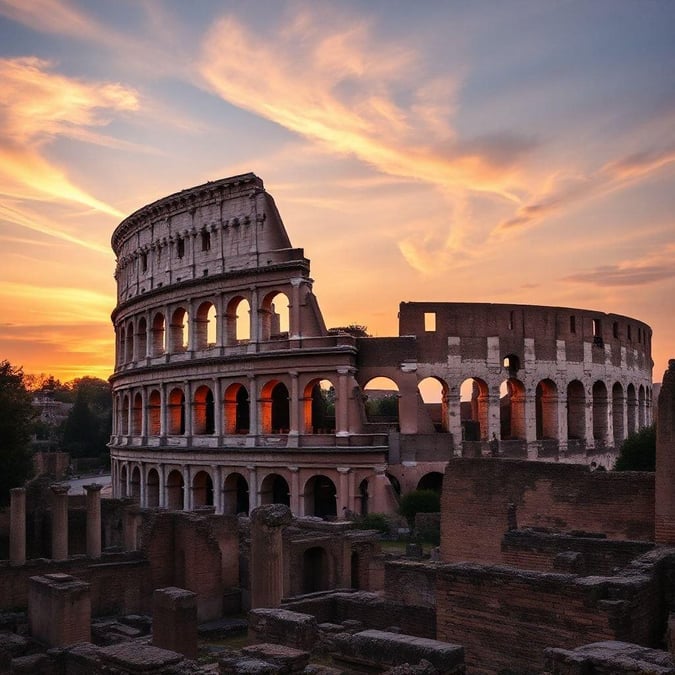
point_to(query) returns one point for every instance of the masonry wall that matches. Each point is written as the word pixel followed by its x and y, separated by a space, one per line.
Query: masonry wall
pixel 562 497
pixel 505 618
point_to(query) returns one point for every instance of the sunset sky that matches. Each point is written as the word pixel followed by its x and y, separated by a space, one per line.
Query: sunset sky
pixel 503 151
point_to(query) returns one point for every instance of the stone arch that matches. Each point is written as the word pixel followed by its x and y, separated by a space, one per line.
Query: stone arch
pixel 433 392
pixel 152 489
pixel 274 490
pixel 124 474
pixel 474 408
pixel 546 405
pixel 512 410
pixel 631 409
pixel 431 481
pixel 238 317
pixel 275 410
pixel 205 325
pixel 154 413
pixel 175 490
pixel 315 570
pixel 202 489
pixel 642 417
pixel 126 405
pixel 363 497
pixel 235 494
pixel 319 406
pixel 382 400
pixel 178 331
pixel 618 418
pixel 122 346
pixel 600 412
pixel 176 410
pixel 274 316
pixel 237 413
pixel 137 415
pixel 158 335
pixel 142 346
pixel 320 497
pixel 135 484
pixel 204 411
pixel 129 347
pixel 576 411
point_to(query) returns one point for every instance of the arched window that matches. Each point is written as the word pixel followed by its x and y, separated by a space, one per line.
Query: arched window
pixel 238 319
pixel 274 408
pixel 474 405
pixel 600 411
pixel 204 414
pixel 152 490
pixel 320 497
pixel 176 411
pixel 136 484
pixel 205 326
pixel 618 419
pixel 434 395
pixel 319 407
pixel 274 490
pixel 237 411
pixel 130 343
pixel 382 399
pixel 274 316
pixel 175 487
pixel 546 404
pixel 512 409
pixel 576 411
pixel 154 413
pixel 202 489
pixel 137 415
pixel 631 409
pixel 431 481
pixel 178 331
pixel 235 494
pixel 142 338
pixel 158 344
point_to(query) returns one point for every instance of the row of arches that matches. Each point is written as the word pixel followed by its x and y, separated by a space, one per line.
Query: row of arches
pixel 179 329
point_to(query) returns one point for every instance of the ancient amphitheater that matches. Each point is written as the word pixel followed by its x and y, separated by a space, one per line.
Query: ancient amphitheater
pixel 231 392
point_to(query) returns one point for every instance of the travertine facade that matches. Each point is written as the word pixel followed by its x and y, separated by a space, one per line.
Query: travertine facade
pixel 222 355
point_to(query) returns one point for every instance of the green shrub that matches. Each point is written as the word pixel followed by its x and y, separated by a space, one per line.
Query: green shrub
pixel 638 451
pixel 373 521
pixel 419 501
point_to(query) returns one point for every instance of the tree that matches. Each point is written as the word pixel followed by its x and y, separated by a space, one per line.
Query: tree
pixel 638 451
pixel 89 423
pixel 419 501
pixel 16 418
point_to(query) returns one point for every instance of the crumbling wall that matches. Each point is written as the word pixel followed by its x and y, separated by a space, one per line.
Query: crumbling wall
pixel 483 498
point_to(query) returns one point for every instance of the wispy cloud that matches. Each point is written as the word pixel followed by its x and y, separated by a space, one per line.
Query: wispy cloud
pixel 38 106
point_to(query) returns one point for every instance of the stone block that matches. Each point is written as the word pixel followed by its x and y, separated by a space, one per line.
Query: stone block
pixel 174 620
pixel 132 658
pixel 293 660
pixel 283 627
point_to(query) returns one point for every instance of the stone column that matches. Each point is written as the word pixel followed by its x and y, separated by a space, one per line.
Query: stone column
pixel 294 328
pixel 174 620
pixel 295 490
pixel 665 460
pixel 294 411
pixel 343 491
pixel 17 526
pixel 267 569
pixel 60 521
pixel 93 520
pixel 253 496
pixel 341 403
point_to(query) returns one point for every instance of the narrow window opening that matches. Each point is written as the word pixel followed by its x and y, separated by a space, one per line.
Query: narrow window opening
pixel 615 329
pixel 511 320
pixel 206 241
pixel 629 333
pixel 430 322
pixel 597 332
pixel 144 262
pixel 573 324
pixel 180 247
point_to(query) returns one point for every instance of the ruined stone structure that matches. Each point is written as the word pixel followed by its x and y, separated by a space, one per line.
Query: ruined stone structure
pixel 225 369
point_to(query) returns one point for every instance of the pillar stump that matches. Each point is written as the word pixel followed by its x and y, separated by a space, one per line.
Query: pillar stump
pixel 93 491
pixel 17 526
pixel 174 620
pixel 267 570
pixel 60 521
pixel 664 524
pixel 59 610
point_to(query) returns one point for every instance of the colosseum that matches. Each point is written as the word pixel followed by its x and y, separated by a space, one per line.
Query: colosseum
pixel 231 392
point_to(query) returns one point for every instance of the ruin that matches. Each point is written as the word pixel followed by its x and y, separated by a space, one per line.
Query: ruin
pixel 229 390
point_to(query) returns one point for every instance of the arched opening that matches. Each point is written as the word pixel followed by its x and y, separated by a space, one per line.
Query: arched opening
pixel 122 346
pixel 275 408
pixel 274 316
pixel 178 331
pixel 512 410
pixel 431 481
pixel 176 412
pixel 175 488
pixel 124 492
pixel 154 413
pixel 274 490
pixel 320 497
pixel 205 326
pixel 319 407
pixel 641 408
pixel 202 489
pixel 512 363
pixel 363 497
pixel 204 411
pixel 125 414
pixel 434 395
pixel 235 494
pixel 136 484
pixel 314 570
pixel 137 415
pixel 142 338
pixel 238 318
pixel 600 411
pixel 546 405
pixel 474 406
pixel 236 410
pixel 617 414
pixel 381 400
pixel 152 489
pixel 576 411
pixel 130 343
pixel 395 484
pixel 631 409
pixel 158 337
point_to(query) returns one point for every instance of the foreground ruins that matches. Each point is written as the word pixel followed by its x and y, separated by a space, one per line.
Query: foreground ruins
pixel 227 514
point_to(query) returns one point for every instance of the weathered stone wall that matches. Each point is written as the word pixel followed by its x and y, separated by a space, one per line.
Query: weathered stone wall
pixel 505 618
pixel 562 497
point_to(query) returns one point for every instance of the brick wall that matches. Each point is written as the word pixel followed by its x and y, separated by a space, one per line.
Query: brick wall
pixel 505 618
pixel 561 497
